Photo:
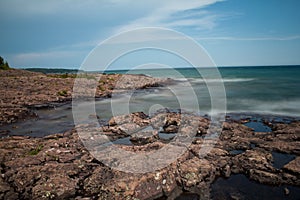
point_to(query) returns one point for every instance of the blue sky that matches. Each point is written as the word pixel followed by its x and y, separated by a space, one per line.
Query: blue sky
pixel 61 34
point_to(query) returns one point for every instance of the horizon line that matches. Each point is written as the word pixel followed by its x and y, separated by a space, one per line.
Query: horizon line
pixel 182 67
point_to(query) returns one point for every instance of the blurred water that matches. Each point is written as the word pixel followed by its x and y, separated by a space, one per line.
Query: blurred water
pixel 263 90
pixel 267 90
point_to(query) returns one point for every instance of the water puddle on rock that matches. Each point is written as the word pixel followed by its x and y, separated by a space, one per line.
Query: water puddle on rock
pixel 123 141
pixel 166 136
pixel 236 152
pixel 50 121
pixel 240 187
pixel 188 196
pixel 281 159
pixel 182 196
pixel 258 126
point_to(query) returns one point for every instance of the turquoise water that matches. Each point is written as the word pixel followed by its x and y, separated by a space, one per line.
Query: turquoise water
pixel 266 90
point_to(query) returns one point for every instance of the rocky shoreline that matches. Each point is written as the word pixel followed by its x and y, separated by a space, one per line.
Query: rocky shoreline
pixel 23 91
pixel 60 166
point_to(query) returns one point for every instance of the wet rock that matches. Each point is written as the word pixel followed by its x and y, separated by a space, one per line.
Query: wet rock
pixel 286 191
pixel 59 166
pixel 194 171
pixel 144 137
pixel 203 125
pixel 139 118
pixel 170 129
pixel 4 133
pixel 289 147
pixel 129 128
pixel 265 177
pixel 172 122
pixel 159 120
pixel 252 159
pixel 293 166
pixel 292 128
pixel 227 171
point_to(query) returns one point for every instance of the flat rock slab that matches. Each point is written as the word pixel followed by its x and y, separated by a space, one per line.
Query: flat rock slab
pixel 60 167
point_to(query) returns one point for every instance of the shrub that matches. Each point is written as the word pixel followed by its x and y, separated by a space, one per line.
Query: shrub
pixel 3 65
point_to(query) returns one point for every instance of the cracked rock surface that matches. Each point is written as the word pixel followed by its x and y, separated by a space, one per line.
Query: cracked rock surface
pixel 60 167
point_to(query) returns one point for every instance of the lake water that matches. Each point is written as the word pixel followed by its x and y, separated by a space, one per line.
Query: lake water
pixel 262 90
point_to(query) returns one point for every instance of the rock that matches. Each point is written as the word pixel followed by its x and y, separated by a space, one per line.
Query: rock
pixel 159 120
pixel 25 90
pixel 194 171
pixel 4 133
pixel 118 120
pixel 170 129
pixel 286 191
pixel 236 196
pixel 227 171
pixel 148 188
pixel 56 187
pixel 172 123
pixel 92 184
pixel 24 179
pixel 129 128
pixel 252 159
pixel 265 177
pixel 59 166
pixel 6 191
pixel 144 137
pixel 293 166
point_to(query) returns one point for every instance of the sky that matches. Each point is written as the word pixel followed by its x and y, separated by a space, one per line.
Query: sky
pixel 61 34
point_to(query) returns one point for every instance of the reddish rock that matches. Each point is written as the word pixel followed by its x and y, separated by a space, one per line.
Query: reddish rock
pixel 265 177
pixel 56 187
pixel 144 137
pixel 59 166
pixel 22 89
pixel 293 166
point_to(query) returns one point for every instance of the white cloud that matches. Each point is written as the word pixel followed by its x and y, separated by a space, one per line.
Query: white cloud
pixel 86 8
pixel 45 59
pixel 33 7
pixel 285 38
pixel 112 16
pixel 163 15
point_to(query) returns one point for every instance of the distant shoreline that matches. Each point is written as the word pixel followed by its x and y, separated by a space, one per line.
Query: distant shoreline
pixel 66 70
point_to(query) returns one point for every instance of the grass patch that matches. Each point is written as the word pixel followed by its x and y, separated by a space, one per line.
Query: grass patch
pixel 62 93
pixel 36 150
pixel 67 75
pixel 101 88
pixel 87 76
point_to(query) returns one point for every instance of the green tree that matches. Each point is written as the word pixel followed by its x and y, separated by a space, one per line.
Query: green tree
pixel 3 65
pixel 1 61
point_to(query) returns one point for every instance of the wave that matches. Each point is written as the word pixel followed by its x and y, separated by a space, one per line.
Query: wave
pixel 281 107
pixel 224 80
